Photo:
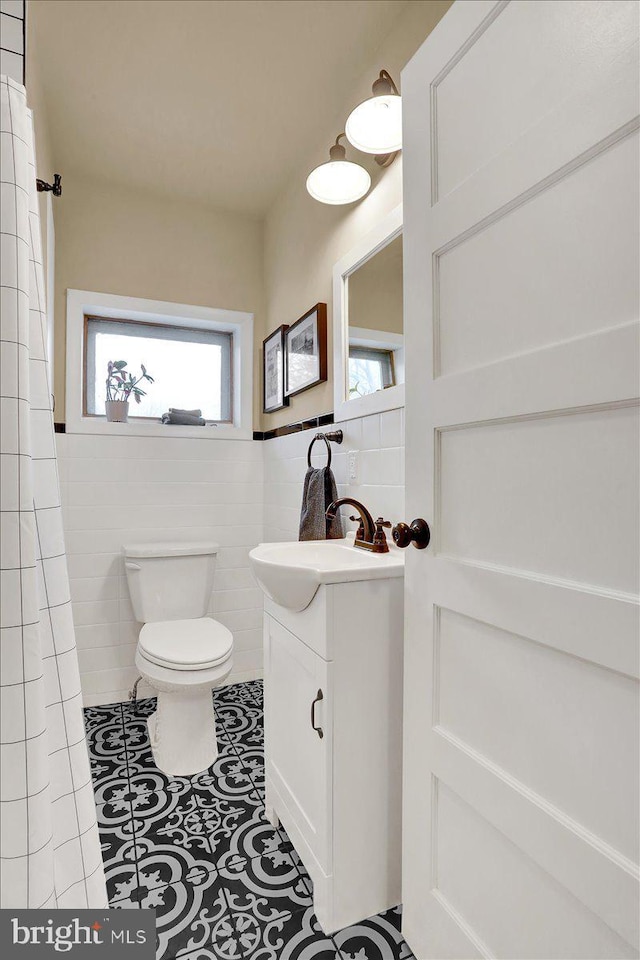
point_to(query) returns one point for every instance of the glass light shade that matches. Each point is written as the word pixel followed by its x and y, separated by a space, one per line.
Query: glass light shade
pixel 375 126
pixel 338 181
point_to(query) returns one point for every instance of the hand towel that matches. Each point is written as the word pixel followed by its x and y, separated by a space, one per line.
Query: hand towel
pixel 318 492
pixel 186 413
pixel 184 419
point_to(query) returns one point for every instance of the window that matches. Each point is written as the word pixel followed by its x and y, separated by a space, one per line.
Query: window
pixel 192 368
pixel 199 357
pixel 370 370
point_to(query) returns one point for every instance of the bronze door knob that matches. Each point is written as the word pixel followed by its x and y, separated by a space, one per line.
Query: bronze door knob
pixel 418 533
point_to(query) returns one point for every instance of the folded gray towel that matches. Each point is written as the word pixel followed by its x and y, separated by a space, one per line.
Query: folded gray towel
pixel 185 413
pixel 318 492
pixel 183 419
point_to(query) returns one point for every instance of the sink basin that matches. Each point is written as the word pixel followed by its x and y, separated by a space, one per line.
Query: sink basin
pixel 290 573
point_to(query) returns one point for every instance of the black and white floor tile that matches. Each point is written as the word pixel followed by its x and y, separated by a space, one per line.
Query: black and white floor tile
pixel 224 883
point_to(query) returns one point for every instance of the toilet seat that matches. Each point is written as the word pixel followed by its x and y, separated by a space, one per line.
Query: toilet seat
pixel 186 644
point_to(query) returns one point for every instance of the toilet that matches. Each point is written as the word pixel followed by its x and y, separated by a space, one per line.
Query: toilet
pixel 182 653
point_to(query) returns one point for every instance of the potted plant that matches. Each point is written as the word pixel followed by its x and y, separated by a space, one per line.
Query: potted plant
pixel 120 385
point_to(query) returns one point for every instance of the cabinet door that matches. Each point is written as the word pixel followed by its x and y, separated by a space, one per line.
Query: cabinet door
pixel 298 758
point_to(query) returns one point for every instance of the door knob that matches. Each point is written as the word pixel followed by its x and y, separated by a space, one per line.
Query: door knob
pixel 418 533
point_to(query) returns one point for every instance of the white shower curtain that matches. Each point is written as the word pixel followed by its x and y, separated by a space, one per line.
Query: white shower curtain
pixel 49 842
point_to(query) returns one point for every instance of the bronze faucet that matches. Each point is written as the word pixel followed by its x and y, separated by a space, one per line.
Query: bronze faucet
pixel 370 534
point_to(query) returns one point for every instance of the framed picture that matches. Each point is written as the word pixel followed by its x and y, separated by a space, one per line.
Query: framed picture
pixel 306 351
pixel 273 396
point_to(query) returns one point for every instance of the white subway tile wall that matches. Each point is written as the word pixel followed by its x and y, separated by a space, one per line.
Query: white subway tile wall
pixel 12 15
pixel 238 493
pixel 125 489
pixel 379 442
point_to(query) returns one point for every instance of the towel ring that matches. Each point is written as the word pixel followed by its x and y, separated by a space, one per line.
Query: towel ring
pixel 336 436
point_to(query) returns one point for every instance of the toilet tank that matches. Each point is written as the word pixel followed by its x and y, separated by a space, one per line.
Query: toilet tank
pixel 170 581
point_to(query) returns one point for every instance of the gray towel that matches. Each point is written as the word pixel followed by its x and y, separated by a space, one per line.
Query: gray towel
pixel 318 492
pixel 186 413
pixel 184 419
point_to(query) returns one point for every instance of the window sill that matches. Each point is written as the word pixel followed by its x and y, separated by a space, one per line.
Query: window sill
pixel 100 426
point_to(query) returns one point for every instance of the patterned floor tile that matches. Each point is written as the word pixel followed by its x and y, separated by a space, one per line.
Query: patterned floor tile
pixel 97 716
pixel 119 858
pixel 377 938
pixel 149 779
pixel 233 693
pixel 243 723
pixel 192 919
pixel 114 801
pixel 286 845
pixel 228 778
pixel 252 762
pixel 121 874
pixel 266 887
pixel 224 883
pixel 294 936
pixel 115 828
pixel 222 819
pixel 255 689
pixel 106 769
pixel 160 863
pixel 106 740
pixel 253 837
pixel 160 817
pixel 143 708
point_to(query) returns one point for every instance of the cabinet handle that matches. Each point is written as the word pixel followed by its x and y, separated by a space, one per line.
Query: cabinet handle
pixel 319 696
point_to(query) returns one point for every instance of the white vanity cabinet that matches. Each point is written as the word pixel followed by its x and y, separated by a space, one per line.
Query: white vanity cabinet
pixel 333 742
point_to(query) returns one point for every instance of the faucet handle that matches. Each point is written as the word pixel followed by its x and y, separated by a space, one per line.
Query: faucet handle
pixel 360 530
pixel 380 544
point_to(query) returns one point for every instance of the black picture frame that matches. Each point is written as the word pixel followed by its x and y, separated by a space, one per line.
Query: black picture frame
pixel 306 351
pixel 273 371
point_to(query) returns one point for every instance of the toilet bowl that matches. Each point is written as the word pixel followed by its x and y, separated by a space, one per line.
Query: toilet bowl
pixel 182 654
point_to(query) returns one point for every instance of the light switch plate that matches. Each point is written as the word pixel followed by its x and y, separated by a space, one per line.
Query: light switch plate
pixel 353 466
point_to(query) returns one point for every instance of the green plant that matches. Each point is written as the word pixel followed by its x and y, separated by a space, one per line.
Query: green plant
pixel 121 384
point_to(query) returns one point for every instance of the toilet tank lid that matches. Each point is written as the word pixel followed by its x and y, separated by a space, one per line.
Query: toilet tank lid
pixel 192 548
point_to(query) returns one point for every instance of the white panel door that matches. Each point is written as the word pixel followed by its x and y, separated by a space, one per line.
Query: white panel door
pixel 521 318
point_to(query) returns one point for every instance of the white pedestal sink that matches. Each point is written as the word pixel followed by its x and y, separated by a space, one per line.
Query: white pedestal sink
pixel 290 573
pixel 333 648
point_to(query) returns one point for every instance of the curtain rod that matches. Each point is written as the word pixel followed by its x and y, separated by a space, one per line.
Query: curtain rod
pixel 56 188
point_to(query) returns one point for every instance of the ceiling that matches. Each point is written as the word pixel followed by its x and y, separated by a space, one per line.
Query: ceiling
pixel 214 100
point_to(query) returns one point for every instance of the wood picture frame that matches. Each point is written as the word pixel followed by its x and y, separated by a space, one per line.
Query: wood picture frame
pixel 273 371
pixel 306 351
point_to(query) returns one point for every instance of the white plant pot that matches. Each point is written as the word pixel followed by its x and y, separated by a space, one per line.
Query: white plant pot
pixel 117 411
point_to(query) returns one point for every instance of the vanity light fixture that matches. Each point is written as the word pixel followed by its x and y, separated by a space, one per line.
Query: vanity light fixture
pixel 375 126
pixel 338 180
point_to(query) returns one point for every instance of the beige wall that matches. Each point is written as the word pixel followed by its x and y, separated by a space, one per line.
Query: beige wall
pixel 112 240
pixel 303 238
pixel 35 100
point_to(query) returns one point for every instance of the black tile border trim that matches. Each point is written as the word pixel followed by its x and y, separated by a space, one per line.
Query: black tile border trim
pixel 311 424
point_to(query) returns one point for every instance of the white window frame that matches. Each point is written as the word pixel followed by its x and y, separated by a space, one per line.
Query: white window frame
pixel 110 306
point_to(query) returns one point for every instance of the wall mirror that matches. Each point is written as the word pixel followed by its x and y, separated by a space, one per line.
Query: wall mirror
pixel 368 324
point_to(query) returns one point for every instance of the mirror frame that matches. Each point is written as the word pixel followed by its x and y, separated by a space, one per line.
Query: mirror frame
pixel 392 398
